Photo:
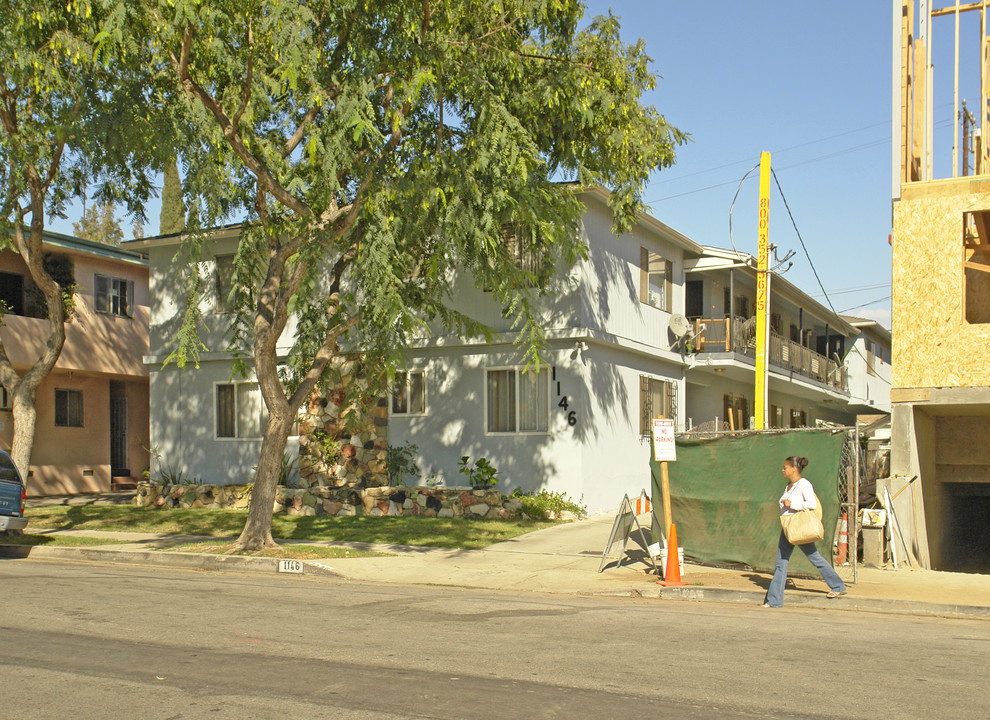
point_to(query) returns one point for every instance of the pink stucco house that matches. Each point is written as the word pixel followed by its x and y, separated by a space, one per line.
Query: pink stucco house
pixel 92 426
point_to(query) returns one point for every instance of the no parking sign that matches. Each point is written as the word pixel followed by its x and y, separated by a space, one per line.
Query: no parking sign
pixel 664 449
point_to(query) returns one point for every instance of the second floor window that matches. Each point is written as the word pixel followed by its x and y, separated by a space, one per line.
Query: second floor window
pixel 114 296
pixel 12 292
pixel 655 287
pixel 68 408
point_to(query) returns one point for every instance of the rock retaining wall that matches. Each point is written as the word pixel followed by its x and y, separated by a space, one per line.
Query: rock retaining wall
pixel 457 502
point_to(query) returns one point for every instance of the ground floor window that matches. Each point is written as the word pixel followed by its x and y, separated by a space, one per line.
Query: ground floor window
pixel 409 393
pixel 68 408
pixel 517 401
pixel 240 411
pixel 799 419
pixel 657 399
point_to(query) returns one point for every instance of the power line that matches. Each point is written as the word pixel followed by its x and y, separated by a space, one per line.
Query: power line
pixel 777 152
pixel 857 307
pixel 808 255
pixel 847 291
pixel 827 156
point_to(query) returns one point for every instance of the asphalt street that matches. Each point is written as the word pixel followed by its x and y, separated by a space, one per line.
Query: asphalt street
pixel 104 641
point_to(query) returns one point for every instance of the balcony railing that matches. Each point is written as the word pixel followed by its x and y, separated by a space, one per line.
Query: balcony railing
pixel 738 335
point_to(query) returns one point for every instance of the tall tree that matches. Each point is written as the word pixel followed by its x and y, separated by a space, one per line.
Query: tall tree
pixel 380 148
pixel 72 103
pixel 99 224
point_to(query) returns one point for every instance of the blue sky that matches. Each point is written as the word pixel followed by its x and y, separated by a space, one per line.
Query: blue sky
pixel 809 82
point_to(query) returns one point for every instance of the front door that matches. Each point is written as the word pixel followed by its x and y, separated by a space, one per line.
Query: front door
pixel 118 437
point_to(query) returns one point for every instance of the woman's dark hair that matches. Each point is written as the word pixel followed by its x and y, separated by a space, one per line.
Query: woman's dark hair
pixel 799 462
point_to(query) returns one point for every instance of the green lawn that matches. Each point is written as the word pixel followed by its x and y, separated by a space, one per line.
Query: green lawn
pixel 430 532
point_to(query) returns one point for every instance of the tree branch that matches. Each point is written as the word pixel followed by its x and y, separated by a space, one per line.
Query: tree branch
pixel 231 135
pixel 293 142
pixel 246 91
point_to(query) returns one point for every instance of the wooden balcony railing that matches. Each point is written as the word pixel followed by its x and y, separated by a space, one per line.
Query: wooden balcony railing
pixel 738 335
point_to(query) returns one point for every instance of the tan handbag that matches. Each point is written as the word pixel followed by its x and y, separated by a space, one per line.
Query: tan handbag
pixel 804 526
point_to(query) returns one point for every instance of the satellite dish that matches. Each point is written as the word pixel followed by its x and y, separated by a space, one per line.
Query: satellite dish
pixel 679 325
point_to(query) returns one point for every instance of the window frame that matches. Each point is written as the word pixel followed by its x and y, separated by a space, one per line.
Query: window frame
pixel 647 258
pixel 114 288
pixel 668 394
pixel 517 401
pixel 6 400
pixel 72 419
pixel 263 420
pixel 407 392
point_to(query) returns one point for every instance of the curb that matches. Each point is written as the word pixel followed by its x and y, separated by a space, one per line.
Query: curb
pixel 180 560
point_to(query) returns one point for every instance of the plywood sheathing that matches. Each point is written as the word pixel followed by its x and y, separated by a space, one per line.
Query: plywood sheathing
pixel 932 344
pixel 963 440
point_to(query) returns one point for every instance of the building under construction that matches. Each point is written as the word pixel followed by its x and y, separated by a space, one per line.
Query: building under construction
pixel 940 394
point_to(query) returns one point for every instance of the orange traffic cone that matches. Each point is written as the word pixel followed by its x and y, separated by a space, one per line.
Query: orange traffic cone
pixel 843 552
pixel 672 573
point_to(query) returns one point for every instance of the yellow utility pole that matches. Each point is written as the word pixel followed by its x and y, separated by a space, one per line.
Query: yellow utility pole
pixel 763 294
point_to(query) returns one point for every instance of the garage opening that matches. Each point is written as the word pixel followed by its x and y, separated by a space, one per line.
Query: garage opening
pixel 967 536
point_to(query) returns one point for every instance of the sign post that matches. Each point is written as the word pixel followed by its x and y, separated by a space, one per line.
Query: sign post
pixel 763 294
pixel 664 450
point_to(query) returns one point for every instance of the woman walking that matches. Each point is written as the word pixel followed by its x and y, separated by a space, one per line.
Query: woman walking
pixel 798 495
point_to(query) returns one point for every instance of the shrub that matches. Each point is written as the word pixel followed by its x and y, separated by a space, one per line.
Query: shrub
pixel 399 460
pixel 546 505
pixel 481 474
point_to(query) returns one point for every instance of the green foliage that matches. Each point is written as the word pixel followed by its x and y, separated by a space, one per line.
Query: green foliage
pixel 99 224
pixel 480 475
pixel 379 149
pixel 171 475
pixel 546 505
pixel 329 447
pixel 400 462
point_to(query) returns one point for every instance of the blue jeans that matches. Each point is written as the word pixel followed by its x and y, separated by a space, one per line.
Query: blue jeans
pixel 775 594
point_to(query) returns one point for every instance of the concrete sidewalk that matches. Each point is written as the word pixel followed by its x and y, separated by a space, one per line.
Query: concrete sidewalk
pixel 562 559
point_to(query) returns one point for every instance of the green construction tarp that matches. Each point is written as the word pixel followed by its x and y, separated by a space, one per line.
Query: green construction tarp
pixel 724 494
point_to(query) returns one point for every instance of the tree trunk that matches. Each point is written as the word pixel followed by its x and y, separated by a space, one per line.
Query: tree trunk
pixel 257 532
pixel 25 416
pixel 24 388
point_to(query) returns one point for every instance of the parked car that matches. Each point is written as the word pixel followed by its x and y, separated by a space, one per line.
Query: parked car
pixel 11 496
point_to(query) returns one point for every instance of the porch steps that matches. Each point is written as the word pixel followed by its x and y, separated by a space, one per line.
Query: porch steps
pixel 119 484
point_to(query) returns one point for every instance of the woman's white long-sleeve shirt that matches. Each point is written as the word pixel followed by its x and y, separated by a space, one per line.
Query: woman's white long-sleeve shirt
pixel 802 497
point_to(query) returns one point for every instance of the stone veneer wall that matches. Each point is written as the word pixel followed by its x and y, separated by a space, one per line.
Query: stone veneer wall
pixel 355 422
pixel 457 502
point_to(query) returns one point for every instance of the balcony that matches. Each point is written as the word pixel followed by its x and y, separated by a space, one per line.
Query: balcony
pixel 738 335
